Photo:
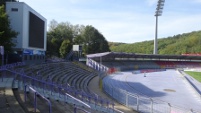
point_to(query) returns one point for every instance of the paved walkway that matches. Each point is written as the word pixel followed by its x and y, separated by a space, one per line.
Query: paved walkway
pixel 8 102
pixel 163 87
pixel 94 87
pixel 193 82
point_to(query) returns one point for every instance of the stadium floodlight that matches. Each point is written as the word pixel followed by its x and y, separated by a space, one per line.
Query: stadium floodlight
pixel 159 11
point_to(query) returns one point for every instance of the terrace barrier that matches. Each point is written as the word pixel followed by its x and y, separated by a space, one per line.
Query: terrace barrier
pixel 142 103
pixel 58 91
pixel 35 99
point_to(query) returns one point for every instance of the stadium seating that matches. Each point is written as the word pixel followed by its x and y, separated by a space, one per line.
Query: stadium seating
pixel 54 80
pixel 8 102
pixel 137 65
pixel 51 80
pixel 177 64
pixel 131 65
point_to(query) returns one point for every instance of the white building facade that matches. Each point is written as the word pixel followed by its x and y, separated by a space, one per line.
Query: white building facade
pixel 31 27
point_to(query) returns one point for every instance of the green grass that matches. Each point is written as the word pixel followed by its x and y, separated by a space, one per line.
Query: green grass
pixel 196 75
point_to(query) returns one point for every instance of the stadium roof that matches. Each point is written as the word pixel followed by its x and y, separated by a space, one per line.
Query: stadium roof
pixel 114 55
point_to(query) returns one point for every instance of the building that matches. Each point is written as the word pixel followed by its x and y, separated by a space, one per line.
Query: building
pixel 31 26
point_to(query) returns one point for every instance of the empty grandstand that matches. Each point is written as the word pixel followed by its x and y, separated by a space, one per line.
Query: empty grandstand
pixel 149 83
pixel 143 83
pixel 61 84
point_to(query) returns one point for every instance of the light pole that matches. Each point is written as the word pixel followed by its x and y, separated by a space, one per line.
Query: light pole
pixel 159 11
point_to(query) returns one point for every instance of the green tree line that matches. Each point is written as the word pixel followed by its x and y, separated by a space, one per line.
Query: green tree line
pixel 62 36
pixel 6 33
pixel 174 45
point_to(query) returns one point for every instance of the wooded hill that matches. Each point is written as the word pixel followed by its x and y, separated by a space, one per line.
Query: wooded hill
pixel 175 45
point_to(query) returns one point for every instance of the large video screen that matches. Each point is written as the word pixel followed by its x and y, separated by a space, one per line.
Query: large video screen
pixel 36 31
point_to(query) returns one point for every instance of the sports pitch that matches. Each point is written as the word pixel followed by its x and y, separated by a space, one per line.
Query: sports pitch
pixel 195 75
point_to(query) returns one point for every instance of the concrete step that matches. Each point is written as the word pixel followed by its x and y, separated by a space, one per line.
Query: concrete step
pixel 13 103
pixel 6 82
pixel 62 98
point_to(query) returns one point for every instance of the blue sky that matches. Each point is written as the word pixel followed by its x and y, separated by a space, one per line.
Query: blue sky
pixel 126 21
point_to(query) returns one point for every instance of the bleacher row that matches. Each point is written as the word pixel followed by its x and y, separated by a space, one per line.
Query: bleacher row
pixel 65 73
pixel 65 82
pixel 135 65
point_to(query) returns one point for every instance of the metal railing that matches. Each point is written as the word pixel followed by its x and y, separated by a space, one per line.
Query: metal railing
pixel 193 86
pixel 79 101
pixel 36 93
pixel 58 91
pixel 141 103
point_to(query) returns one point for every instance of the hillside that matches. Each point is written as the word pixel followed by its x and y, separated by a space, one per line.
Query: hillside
pixel 175 45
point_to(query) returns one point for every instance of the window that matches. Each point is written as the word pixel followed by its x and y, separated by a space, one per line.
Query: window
pixel 30 56
pixel 14 9
pixel 25 57
pixel 34 57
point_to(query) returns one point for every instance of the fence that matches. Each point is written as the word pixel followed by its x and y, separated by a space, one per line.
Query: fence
pixel 58 91
pixel 141 103
pixel 192 83
pixel 35 97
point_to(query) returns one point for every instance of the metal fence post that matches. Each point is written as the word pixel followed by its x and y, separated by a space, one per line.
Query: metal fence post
pixel 35 102
pixel 151 105
pixel 192 111
pixel 59 92
pixel 137 102
pixel 51 87
pixel 2 75
pixel 170 107
pixel 113 107
pixel 43 88
pixel 75 109
pixel 25 94
pixel 126 98
pixel 112 92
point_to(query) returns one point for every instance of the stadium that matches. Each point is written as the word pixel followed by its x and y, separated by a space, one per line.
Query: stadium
pixel 141 83
pixel 108 82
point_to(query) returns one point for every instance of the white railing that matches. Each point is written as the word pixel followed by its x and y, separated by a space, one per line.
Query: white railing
pixel 141 103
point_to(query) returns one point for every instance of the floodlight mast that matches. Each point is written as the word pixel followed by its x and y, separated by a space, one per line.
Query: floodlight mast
pixel 159 11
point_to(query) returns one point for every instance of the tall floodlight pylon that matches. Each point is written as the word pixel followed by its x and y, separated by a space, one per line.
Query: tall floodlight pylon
pixel 159 11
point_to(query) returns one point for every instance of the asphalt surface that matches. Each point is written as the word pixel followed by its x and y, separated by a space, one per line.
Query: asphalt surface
pixel 94 87
pixel 166 86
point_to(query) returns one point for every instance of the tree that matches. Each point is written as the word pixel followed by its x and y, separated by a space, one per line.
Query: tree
pixel 55 45
pixel 61 37
pixel 6 33
pixel 79 40
pixel 175 45
pixel 58 32
pixel 94 41
pixel 65 48
pixel 53 24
